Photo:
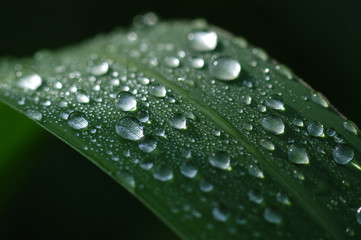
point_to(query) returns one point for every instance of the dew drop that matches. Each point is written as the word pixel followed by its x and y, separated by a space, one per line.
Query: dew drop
pixel 126 179
pixel 298 155
pixel 246 100
pixel 275 102
pixel 171 62
pixel 149 144
pixel 319 99
pixel 202 41
pixel 273 124
pixel 297 122
pixel 163 174
pixel 188 170
pixel 315 129
pixel 158 90
pixel 34 114
pixel 272 216
pixel 358 215
pixel 125 101
pixel 282 198
pixel 129 128
pixel 342 154
pixel 350 127
pixel 178 121
pixel 196 63
pixel 77 120
pixel 82 96
pixel 225 68
pixel 220 160
pixel 255 196
pixel 219 215
pixel 100 69
pixel 267 144
pixel 31 82
pixel 205 186
pixel 255 171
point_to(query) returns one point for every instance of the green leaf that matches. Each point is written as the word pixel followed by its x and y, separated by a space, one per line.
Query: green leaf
pixel 217 139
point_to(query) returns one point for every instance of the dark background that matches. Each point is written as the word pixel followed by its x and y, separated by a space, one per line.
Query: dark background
pixel 319 40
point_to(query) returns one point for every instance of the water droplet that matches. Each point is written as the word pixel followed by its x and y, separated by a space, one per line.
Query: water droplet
pixel 31 82
pixel 100 69
pixel 34 114
pixel 358 215
pixel 255 171
pixel 205 186
pixel 77 121
pixel 297 122
pixel 272 216
pixel 143 81
pixel 196 63
pixel 172 62
pixel 219 215
pixel 342 154
pixel 178 121
pixel 267 144
pixel 149 144
pixel 188 170
pixel 315 129
pixel 273 124
pixel 282 198
pixel 246 100
pixel 350 126
pixel 225 68
pixel 126 179
pixel 163 174
pixel 319 99
pixel 125 101
pixel 202 41
pixel 158 90
pixel 298 155
pixel 275 102
pixel 220 160
pixel 129 128
pixel 82 96
pixel 255 196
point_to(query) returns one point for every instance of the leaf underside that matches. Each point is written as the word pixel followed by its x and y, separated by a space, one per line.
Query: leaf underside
pixel 261 194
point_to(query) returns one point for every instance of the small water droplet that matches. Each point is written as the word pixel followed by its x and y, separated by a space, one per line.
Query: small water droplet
pixel 148 144
pixel 126 179
pixel 350 126
pixel 82 96
pixel 298 155
pixel 220 160
pixel 129 128
pixel 77 120
pixel 125 101
pixel 178 121
pixel 196 63
pixel 205 186
pixel 100 69
pixel 246 100
pixel 188 170
pixel 225 68
pixel 171 62
pixel 31 82
pixel 143 80
pixel 298 122
pixel 358 215
pixel 158 90
pixel 163 174
pixel 273 124
pixel 272 216
pixel 315 129
pixel 219 215
pixel 267 144
pixel 318 98
pixel 282 198
pixel 202 41
pixel 255 171
pixel 342 154
pixel 34 114
pixel 255 196
pixel 275 102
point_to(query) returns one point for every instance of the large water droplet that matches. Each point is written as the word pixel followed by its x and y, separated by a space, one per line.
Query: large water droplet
pixel 298 155
pixel 77 121
pixel 225 68
pixel 149 144
pixel 163 174
pixel 196 63
pixel 82 96
pixel 220 160
pixel 275 102
pixel 158 90
pixel 350 126
pixel 100 69
pixel 315 129
pixel 129 128
pixel 319 99
pixel 342 154
pixel 272 216
pixel 178 121
pixel 202 41
pixel 31 82
pixel 188 170
pixel 273 124
pixel 125 101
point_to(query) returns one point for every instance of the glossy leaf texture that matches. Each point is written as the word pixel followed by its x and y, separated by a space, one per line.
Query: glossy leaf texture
pixel 219 140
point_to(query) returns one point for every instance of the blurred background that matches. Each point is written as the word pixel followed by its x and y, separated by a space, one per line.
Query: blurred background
pixel 48 191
